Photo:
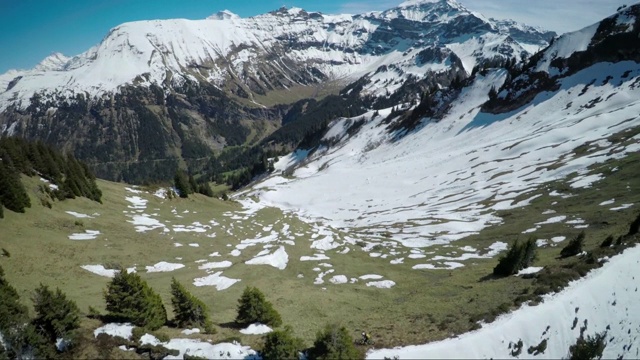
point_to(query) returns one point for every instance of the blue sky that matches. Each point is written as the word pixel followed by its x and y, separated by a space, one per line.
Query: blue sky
pixel 32 29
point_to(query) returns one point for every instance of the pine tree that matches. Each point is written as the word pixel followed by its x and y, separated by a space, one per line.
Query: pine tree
pixel 281 344
pixel 56 315
pixel 129 298
pixel 181 182
pixel 13 195
pixel 13 316
pixel 334 342
pixel 254 308
pixel 574 247
pixel 189 311
pixel 518 257
pixel 590 348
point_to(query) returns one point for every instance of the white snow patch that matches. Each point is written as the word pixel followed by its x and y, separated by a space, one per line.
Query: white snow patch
pixel 339 279
pixel 382 284
pixel 529 270
pixel 217 280
pixel 87 235
pixel 371 277
pixel 164 266
pixel 79 215
pixel 190 331
pixel 256 329
pixel 277 259
pixel 215 265
pixel 115 329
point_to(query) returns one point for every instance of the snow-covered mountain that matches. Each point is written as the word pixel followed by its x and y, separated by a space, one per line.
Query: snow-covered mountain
pixel 452 172
pixel 278 50
pixel 154 93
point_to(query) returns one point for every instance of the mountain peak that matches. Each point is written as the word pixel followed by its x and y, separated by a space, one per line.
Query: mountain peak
pixel 223 15
pixel 54 62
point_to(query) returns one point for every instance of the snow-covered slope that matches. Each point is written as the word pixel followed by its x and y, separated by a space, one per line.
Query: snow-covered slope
pixel 604 301
pixel 446 179
pixel 277 50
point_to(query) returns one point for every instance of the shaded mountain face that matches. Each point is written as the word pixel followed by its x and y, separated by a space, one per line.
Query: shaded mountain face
pixel 197 86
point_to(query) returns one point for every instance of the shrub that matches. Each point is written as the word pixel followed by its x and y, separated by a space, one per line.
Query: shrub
pixel 129 298
pixel 574 247
pixel 634 228
pixel 607 242
pixel 517 258
pixel 253 308
pixel 5 252
pixel 539 349
pixel 333 342
pixel 56 316
pixel 189 310
pixel 281 344
pixel 589 348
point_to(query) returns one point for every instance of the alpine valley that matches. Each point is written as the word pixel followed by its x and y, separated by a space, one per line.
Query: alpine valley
pixel 424 174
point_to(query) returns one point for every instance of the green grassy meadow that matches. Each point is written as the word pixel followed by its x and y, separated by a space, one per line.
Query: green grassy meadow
pixel 424 305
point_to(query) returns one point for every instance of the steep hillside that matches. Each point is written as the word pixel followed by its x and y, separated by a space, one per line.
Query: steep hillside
pixel 197 86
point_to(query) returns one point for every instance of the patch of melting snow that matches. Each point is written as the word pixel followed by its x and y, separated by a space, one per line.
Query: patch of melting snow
pixel 256 329
pixel 194 245
pixel 145 223
pixel 316 257
pixel 371 277
pixel 87 235
pixel 217 280
pixel 558 239
pixel 553 220
pixel 190 331
pixel 164 266
pixel 321 275
pixel 136 202
pixel 79 215
pixel 529 270
pixel 102 271
pixel 622 207
pixel 608 202
pixel 397 261
pixel 123 330
pixel 382 284
pixel 449 265
pixel 541 242
pixel 235 252
pixel 548 212
pixel 177 244
pixel 202 349
pixel 586 181
pixel 215 265
pixel 277 259
pixel 338 279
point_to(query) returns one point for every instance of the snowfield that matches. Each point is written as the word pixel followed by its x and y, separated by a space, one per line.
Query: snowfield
pixel 605 300
pixel 446 172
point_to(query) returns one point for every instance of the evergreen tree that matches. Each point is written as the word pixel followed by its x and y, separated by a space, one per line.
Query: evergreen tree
pixel 518 257
pixel 13 316
pixel 281 344
pixel 205 189
pixel 193 185
pixel 590 348
pixel 574 247
pixel 334 342
pixel 56 316
pixel 13 195
pixel 634 228
pixel 189 310
pixel 129 298
pixel 181 182
pixel 254 308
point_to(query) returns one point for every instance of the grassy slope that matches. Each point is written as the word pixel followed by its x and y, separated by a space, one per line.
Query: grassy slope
pixel 424 305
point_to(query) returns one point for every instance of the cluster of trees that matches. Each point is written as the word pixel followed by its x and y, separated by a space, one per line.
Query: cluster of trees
pixel 18 156
pixel 130 299
pixel 187 185
pixel 56 317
